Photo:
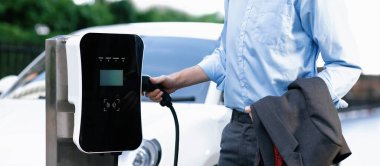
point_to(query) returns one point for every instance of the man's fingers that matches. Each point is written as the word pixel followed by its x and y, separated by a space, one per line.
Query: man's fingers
pixel 247 109
pixel 157 80
pixel 158 97
pixel 155 95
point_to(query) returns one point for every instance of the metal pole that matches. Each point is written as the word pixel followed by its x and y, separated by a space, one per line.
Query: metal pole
pixel 60 149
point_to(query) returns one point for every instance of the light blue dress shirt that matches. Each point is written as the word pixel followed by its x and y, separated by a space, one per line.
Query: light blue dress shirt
pixel 267 44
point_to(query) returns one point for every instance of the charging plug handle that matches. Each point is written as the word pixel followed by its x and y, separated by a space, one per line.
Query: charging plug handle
pixel 148 86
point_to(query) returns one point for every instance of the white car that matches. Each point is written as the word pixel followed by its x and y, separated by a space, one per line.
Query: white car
pixel 169 47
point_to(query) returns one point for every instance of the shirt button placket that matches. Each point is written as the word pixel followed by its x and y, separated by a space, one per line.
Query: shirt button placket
pixel 241 66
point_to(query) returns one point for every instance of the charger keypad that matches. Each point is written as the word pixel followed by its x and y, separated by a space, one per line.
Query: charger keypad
pixel 111 105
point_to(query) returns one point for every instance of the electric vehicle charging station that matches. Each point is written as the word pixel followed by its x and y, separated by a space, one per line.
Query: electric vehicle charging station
pixel 93 98
pixel 104 84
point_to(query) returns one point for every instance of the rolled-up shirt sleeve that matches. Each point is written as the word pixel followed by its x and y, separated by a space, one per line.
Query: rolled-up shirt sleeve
pixel 326 23
pixel 214 64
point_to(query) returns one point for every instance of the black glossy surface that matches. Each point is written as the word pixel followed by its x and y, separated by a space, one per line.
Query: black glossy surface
pixel 111 119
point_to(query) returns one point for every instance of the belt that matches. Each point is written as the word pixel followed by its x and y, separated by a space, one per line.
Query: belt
pixel 242 117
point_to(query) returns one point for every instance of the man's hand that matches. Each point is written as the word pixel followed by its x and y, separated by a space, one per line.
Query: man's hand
pixel 165 81
pixel 187 77
pixel 248 110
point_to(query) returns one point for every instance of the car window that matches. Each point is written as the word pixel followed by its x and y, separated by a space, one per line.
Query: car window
pixel 34 72
pixel 162 56
pixel 165 55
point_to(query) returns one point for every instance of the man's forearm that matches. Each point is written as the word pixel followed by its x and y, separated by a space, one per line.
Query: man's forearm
pixel 189 76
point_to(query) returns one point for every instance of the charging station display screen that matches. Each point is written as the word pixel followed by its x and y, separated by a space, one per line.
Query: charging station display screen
pixel 111 77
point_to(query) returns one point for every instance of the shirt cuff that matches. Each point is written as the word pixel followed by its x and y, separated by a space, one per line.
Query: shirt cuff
pixel 338 102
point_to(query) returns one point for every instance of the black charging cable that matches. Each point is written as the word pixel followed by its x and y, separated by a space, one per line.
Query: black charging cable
pixel 148 86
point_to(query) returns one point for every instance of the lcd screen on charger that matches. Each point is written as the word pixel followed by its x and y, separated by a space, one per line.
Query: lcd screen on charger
pixel 111 77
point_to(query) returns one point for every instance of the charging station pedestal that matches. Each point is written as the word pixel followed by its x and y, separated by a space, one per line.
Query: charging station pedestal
pixel 60 148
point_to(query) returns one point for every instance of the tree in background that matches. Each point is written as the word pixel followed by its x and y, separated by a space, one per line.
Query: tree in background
pixel 124 12
pixel 162 13
pixel 18 18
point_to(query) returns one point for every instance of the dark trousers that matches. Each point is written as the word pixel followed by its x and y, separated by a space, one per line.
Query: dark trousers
pixel 238 144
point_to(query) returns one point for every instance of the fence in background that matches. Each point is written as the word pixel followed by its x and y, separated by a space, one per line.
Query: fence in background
pixel 14 57
pixel 365 94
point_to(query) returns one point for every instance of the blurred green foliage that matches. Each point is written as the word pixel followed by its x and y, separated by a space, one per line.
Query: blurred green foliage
pixel 18 18
pixel 167 14
pixel 20 43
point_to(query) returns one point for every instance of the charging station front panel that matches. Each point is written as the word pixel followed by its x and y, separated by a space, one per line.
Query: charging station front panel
pixel 111 85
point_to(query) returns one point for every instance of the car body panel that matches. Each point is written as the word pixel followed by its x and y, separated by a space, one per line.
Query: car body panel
pixel 200 131
pixel 23 131
pixel 167 29
pixel 7 82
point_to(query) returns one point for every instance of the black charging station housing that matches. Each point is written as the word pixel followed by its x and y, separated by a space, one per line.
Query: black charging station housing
pixel 111 87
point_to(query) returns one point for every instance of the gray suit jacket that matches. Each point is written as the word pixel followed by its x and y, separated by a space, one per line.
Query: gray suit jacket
pixel 303 124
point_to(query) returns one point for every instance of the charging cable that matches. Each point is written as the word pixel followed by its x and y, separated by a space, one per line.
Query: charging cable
pixel 148 86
